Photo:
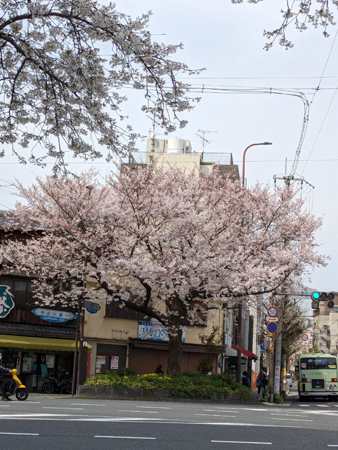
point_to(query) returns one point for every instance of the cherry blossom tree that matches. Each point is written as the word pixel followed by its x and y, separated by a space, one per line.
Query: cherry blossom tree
pixel 63 65
pixel 300 14
pixel 167 244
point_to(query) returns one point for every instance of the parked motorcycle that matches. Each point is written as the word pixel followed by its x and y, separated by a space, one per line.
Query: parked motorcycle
pixel 64 385
pixel 16 387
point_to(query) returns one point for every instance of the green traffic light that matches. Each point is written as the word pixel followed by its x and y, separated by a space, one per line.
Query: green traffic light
pixel 316 295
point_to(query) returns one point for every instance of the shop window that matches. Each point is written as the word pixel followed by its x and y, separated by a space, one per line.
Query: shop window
pixel 21 288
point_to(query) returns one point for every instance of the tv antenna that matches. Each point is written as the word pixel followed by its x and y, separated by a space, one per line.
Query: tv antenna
pixel 203 138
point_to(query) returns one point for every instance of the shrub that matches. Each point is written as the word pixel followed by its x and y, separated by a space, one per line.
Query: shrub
pixel 184 385
pixel 277 398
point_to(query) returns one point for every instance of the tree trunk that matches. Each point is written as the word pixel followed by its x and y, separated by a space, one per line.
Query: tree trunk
pixel 175 353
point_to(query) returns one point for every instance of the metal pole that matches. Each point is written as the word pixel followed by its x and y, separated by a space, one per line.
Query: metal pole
pixel 239 343
pixel 74 384
pixel 271 360
pixel 278 356
pixel 243 169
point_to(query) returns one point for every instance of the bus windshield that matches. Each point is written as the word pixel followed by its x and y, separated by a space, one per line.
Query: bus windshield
pixel 318 363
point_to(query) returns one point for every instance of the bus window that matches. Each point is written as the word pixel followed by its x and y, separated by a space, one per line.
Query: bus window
pixel 318 363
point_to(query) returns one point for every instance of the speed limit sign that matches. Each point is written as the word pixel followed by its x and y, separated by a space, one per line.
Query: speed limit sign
pixel 272 311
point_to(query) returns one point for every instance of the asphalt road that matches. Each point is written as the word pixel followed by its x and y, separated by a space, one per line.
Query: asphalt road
pixel 54 422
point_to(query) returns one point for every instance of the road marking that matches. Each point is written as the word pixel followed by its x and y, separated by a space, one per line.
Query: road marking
pixel 59 407
pixel 147 412
pixel 87 404
pixel 294 420
pixel 221 410
pixel 21 434
pixel 293 415
pixel 125 437
pixel 332 445
pixel 155 407
pixel 212 415
pixel 323 406
pixel 243 442
pixel 303 405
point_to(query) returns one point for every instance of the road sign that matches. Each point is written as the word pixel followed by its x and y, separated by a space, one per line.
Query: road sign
pixel 52 315
pixel 262 346
pixel 305 337
pixel 91 307
pixel 272 327
pixel 272 311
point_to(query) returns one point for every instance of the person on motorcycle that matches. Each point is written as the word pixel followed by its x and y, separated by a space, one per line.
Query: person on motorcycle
pixel 3 381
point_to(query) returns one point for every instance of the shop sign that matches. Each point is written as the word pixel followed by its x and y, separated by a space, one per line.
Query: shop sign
pixel 91 307
pixel 6 301
pixel 52 315
pixel 154 331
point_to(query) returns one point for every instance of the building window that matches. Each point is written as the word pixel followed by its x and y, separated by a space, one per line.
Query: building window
pixel 21 288
pixel 113 310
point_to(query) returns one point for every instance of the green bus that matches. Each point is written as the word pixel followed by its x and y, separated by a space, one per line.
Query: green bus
pixel 317 376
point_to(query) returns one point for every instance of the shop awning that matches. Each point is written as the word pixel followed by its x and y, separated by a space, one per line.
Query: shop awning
pixel 245 352
pixel 38 343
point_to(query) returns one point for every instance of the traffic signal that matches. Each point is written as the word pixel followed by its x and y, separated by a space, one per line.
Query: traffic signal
pixel 324 296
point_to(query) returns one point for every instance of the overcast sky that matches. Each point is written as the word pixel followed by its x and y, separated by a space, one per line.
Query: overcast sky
pixel 228 41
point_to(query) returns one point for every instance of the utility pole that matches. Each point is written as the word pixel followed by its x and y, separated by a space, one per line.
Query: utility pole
pixel 271 359
pixel 278 355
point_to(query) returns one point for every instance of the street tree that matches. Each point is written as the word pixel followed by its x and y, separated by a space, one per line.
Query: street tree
pixel 64 64
pixel 171 245
pixel 300 14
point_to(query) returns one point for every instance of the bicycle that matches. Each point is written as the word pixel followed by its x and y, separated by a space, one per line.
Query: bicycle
pixel 63 384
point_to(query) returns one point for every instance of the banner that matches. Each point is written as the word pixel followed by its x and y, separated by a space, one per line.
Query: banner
pixel 154 331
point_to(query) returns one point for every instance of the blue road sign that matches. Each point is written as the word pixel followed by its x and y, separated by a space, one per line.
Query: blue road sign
pixel 52 315
pixel 91 307
pixel 262 347
pixel 272 327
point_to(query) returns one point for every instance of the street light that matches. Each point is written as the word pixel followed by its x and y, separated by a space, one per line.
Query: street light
pixel 239 326
pixel 243 171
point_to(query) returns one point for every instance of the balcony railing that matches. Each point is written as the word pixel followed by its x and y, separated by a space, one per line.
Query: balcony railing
pixel 206 157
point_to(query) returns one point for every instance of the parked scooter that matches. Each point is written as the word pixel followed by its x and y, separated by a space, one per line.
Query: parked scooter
pixel 16 387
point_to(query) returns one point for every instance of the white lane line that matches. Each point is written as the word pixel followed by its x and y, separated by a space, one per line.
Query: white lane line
pixel 146 412
pixel 21 434
pixel 293 415
pixel 243 442
pixel 221 410
pixel 213 415
pixel 87 404
pixel 303 405
pixel 323 406
pixel 154 407
pixel 332 445
pixel 58 407
pixel 293 420
pixel 125 437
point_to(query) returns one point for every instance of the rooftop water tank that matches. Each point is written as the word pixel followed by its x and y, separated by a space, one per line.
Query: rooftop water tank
pixel 176 145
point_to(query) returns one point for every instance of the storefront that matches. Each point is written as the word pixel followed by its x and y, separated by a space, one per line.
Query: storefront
pixel 37 357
